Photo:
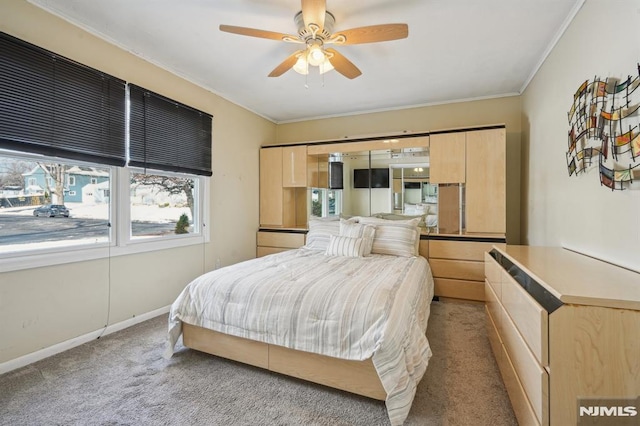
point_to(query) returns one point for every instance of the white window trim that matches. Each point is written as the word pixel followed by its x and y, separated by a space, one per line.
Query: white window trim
pixel 121 244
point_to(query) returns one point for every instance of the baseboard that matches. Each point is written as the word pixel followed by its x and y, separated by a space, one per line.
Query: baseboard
pixel 22 361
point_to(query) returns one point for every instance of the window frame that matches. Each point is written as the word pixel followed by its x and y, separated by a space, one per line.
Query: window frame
pixel 120 242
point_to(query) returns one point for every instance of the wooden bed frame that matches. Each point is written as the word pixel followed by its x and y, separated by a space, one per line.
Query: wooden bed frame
pixel 359 377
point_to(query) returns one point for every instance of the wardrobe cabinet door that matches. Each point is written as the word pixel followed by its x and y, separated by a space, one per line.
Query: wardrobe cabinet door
pixel 271 194
pixel 294 166
pixel 447 158
pixel 485 185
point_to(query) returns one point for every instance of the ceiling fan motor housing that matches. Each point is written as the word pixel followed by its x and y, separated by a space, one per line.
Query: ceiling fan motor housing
pixel 306 34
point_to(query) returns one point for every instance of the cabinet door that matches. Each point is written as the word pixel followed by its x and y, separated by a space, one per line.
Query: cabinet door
pixel 294 166
pixel 447 158
pixel 271 194
pixel 318 171
pixel 486 186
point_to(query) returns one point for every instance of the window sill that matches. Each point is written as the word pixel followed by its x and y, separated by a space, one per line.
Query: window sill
pixel 17 261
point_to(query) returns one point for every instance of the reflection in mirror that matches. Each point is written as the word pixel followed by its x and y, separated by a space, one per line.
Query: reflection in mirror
pixel 368 182
pixel 413 195
pixel 325 202
pixel 355 201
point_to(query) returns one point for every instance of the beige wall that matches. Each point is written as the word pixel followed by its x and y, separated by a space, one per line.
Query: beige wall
pixel 41 307
pixel 429 118
pixel 603 40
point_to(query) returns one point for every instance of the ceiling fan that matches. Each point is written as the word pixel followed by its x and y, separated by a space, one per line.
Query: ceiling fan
pixel 315 31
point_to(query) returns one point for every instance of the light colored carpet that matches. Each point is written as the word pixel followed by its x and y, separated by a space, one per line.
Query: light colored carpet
pixel 122 379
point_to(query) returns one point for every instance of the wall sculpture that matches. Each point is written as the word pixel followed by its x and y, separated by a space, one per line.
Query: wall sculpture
pixel 604 131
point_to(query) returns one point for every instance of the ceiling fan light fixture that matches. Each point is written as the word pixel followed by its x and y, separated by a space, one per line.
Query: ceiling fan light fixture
pixel 301 66
pixel 315 29
pixel 315 56
pixel 325 66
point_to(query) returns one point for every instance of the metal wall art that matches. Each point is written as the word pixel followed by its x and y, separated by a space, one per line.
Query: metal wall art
pixel 605 130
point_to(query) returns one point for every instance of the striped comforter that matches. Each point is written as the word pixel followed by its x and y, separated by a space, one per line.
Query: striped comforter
pixel 344 307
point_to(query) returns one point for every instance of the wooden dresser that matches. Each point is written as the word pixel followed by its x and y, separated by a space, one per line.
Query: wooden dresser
pixel 564 328
pixel 275 241
pixel 457 264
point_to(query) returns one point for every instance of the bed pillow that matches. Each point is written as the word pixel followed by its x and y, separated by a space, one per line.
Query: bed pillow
pixel 325 218
pixel 394 237
pixel 349 228
pixel 416 209
pixel 405 217
pixel 346 246
pixel 320 231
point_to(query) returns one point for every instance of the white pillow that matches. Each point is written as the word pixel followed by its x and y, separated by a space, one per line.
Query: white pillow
pixel 325 218
pixel 348 228
pixel 319 233
pixel 346 246
pixel 394 237
pixel 415 209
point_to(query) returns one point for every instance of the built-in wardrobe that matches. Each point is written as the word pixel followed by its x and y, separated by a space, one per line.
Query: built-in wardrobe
pixel 455 179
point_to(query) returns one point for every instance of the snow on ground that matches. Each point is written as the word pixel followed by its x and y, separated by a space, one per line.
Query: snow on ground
pixel 143 213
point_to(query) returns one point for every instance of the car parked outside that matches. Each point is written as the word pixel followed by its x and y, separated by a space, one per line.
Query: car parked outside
pixel 52 210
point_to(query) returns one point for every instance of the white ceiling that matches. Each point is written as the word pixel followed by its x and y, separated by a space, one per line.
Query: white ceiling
pixel 456 50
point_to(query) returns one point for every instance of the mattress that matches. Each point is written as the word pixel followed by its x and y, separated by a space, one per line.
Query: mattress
pixel 352 308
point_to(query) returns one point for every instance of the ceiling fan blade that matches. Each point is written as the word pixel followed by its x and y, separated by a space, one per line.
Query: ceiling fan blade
pixel 313 12
pixel 252 32
pixel 343 65
pixel 372 34
pixel 286 65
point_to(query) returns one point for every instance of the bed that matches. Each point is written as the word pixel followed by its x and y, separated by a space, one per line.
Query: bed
pixel 348 310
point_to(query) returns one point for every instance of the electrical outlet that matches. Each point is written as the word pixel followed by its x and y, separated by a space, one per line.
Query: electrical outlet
pixel 218 263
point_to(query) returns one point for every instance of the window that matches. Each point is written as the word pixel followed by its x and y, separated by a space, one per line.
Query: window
pixel 37 220
pixel 326 202
pixel 163 205
pixel 68 173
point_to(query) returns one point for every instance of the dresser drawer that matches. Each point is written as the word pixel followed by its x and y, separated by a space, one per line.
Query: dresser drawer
pixel 459 289
pixel 531 319
pixel 461 250
pixel 457 269
pixel 264 251
pixel 492 304
pixel 517 395
pixel 280 239
pixel 493 274
pixel 533 378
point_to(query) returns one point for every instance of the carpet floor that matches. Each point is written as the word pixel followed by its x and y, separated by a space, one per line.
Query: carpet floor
pixel 122 379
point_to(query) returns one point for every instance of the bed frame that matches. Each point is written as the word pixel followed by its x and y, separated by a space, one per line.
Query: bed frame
pixel 359 377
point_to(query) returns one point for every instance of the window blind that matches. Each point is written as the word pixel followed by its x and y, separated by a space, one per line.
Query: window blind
pixel 53 106
pixel 167 135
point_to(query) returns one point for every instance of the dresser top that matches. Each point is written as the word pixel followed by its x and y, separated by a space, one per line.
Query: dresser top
pixel 577 279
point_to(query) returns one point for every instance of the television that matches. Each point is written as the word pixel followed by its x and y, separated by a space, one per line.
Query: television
pixel 412 185
pixel 379 178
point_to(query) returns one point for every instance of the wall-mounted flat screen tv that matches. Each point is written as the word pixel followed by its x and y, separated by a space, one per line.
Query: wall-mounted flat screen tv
pixel 379 178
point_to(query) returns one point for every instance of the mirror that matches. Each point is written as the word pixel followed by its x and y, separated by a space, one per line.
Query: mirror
pixel 378 182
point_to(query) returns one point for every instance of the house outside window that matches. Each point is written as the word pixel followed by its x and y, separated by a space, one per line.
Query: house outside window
pixel 162 206
pixel 25 227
